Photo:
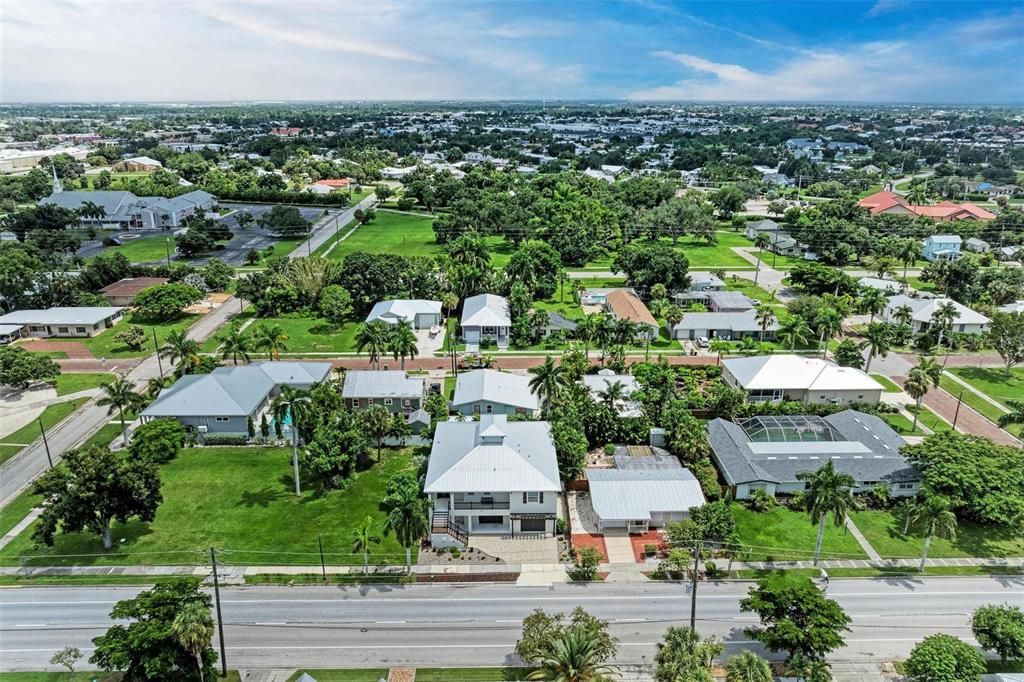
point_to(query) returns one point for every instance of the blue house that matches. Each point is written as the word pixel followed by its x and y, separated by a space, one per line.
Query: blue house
pixel 942 247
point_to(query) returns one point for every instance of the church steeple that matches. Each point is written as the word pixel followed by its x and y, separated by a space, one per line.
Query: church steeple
pixel 57 187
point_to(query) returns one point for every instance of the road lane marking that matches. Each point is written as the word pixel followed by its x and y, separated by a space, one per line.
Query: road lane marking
pixel 30 625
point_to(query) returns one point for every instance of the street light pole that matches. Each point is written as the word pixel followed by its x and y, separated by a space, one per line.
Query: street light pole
pixel 167 250
pixel 693 591
pixel 156 347
pixel 45 443
pixel 956 414
pixel 220 619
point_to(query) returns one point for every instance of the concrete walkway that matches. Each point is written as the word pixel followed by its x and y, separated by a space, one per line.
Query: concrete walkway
pixel 862 541
pixel 21 526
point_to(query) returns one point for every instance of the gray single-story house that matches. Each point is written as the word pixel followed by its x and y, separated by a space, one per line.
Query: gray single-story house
pixel 64 321
pixel 488 391
pixel 9 333
pixel 223 401
pixel 419 313
pixel 393 389
pixel 728 326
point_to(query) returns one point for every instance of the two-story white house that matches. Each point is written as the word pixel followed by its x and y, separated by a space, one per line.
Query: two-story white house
pixel 486 317
pixel 492 477
pixel 942 247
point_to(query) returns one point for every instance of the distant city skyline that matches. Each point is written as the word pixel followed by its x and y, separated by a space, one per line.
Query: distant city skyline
pixel 889 51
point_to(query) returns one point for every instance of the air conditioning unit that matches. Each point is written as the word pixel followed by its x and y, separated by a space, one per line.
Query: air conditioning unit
pixel 202 429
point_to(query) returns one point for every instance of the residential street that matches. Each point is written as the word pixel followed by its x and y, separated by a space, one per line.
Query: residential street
pixel 478 625
pixel 20 471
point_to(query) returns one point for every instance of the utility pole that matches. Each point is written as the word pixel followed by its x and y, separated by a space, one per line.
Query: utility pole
pixel 45 443
pixel 693 591
pixel 956 414
pixel 220 619
pixel 323 568
pixel 156 347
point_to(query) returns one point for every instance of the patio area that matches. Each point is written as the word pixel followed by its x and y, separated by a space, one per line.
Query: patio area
pixel 520 550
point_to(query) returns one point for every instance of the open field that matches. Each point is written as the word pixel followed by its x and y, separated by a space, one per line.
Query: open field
pixel 720 254
pixel 18 508
pixel 81 381
pixel 103 345
pixel 145 249
pixel 309 334
pixel 929 419
pixel 241 500
pixel 390 232
pixel 884 530
pixel 784 535
pixel 993 382
pixel 51 416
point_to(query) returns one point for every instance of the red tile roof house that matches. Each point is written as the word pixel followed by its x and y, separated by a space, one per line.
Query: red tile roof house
pixel 286 132
pixel 623 304
pixel 328 185
pixel 946 211
pixel 124 291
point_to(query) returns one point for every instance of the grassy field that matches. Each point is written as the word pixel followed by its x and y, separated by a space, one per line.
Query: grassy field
pixel 80 381
pixel 105 436
pixel 921 285
pixel 144 249
pixel 902 425
pixel 16 510
pixel 309 335
pixel 780 262
pixel 888 385
pixel 50 417
pixel 929 419
pixel 103 345
pixel 784 535
pixel 568 308
pixel 977 403
pixel 720 254
pixel 390 232
pixel 993 382
pixel 240 500
pixel 884 530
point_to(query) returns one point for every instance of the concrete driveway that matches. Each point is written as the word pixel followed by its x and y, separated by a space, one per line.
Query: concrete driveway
pixel 582 518
pixel 519 550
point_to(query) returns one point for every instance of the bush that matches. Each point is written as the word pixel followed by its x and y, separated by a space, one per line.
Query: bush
pixel 585 567
pixel 405 204
pixel 944 658
pixel 609 449
pixel 560 526
pixel 224 439
pixel 712 570
pixel 650 550
pixel 760 502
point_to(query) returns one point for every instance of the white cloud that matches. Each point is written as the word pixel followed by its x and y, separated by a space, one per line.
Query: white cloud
pixel 886 6
pixel 531 29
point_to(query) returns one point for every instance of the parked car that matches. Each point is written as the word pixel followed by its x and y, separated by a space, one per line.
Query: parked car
pixel 702 342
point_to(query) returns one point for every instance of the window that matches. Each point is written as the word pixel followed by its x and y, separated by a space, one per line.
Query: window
pixel 356 403
pixel 80 330
pixel 222 420
pixel 490 408
pixel 476 409
pixel 388 401
pixel 407 403
pixel 860 397
pixel 906 486
pixel 62 330
pixel 531 498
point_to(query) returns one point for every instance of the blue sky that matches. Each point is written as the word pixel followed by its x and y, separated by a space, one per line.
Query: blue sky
pixel 813 51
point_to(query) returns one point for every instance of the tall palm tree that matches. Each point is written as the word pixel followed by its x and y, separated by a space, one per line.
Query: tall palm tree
pixel 182 351
pixel 765 317
pixel 363 538
pixel 673 316
pixel 624 331
pixel 120 395
pixel 614 391
pixel 573 658
pixel 908 252
pixel 903 314
pixel 794 331
pixel 192 628
pixel 762 240
pixel 719 345
pixel 539 320
pixel 829 492
pixel 548 382
pixel 943 317
pixel 155 385
pixel 408 518
pixel 373 338
pixel 684 655
pixel 917 386
pixel 877 339
pixel 586 330
pixel 271 339
pixel 1015 415
pixel 936 518
pixel 236 344
pixel 931 369
pixel 748 667
pixel 290 404
pixel 402 342
pixel 829 322
pixel 872 301
pixel 470 249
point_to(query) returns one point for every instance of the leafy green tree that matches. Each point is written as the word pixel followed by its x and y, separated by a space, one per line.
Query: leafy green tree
pixel 728 200
pixel 570 448
pixel 683 656
pixel 92 489
pixel 134 337
pixel 119 396
pixel 195 241
pixel 67 657
pixel 1006 336
pixel 284 221
pixel 158 441
pixel 1000 628
pixel 364 537
pixel 935 518
pixel 647 264
pixel 217 275
pixel 408 517
pixel 270 338
pixel 748 667
pixel 542 629
pixel 164 301
pixel 19 368
pixel 944 658
pixel 796 617
pixel 847 354
pixel 335 303
pixel 158 643
pixel 829 492
pixel 376 422
pixel 335 450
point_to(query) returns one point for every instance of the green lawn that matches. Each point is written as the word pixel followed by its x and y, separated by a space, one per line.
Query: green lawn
pixel 16 510
pixel 212 343
pixel 780 262
pixel 720 254
pixel 105 436
pixel 977 403
pixel 145 249
pixel 751 290
pixel 921 285
pixel 390 232
pixel 993 382
pixel 884 530
pixel 784 535
pixel 240 500
pixel 902 425
pixel 310 334
pixel 888 385
pixel 929 419
pixel 80 381
pixel 568 308
pixel 103 345
pixel 50 417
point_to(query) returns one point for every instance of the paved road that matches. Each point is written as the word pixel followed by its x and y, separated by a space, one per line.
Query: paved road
pixel 18 472
pixel 478 625
pixel 330 226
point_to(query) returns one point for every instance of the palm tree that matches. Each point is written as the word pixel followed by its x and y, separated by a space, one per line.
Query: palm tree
pixel 470 249
pixel 548 382
pixel 917 386
pixel 904 314
pixel 684 655
pixel 624 331
pixel 918 195
pixel 761 241
pixel 794 331
pixel 155 385
pixel 271 339
pixel 829 322
pixel 931 369
pixel 402 342
pixel 372 337
pixel 944 316
pixel 877 339
pixel 290 404
pixel 908 251
pixel 586 330
pixel 363 538
pixel 614 391
pixel 408 518
pixel 765 317
pixel 719 346
pixel 236 345
pixel 192 628
pixel 573 658
pixel 673 316
pixel 539 320
pixel 748 667
pixel 120 395
pixel 449 302
pixel 936 518
pixel 182 351
pixel 829 492
pixel 872 301
pixel 1015 415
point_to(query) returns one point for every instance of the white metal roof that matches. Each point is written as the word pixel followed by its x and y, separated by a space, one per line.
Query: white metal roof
pixel 496 387
pixel 924 308
pixel 796 372
pixel 485 310
pixel 63 316
pixel 403 309
pixel 394 383
pixel 638 493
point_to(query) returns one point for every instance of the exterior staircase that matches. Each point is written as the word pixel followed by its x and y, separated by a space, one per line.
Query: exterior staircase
pixel 441 524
